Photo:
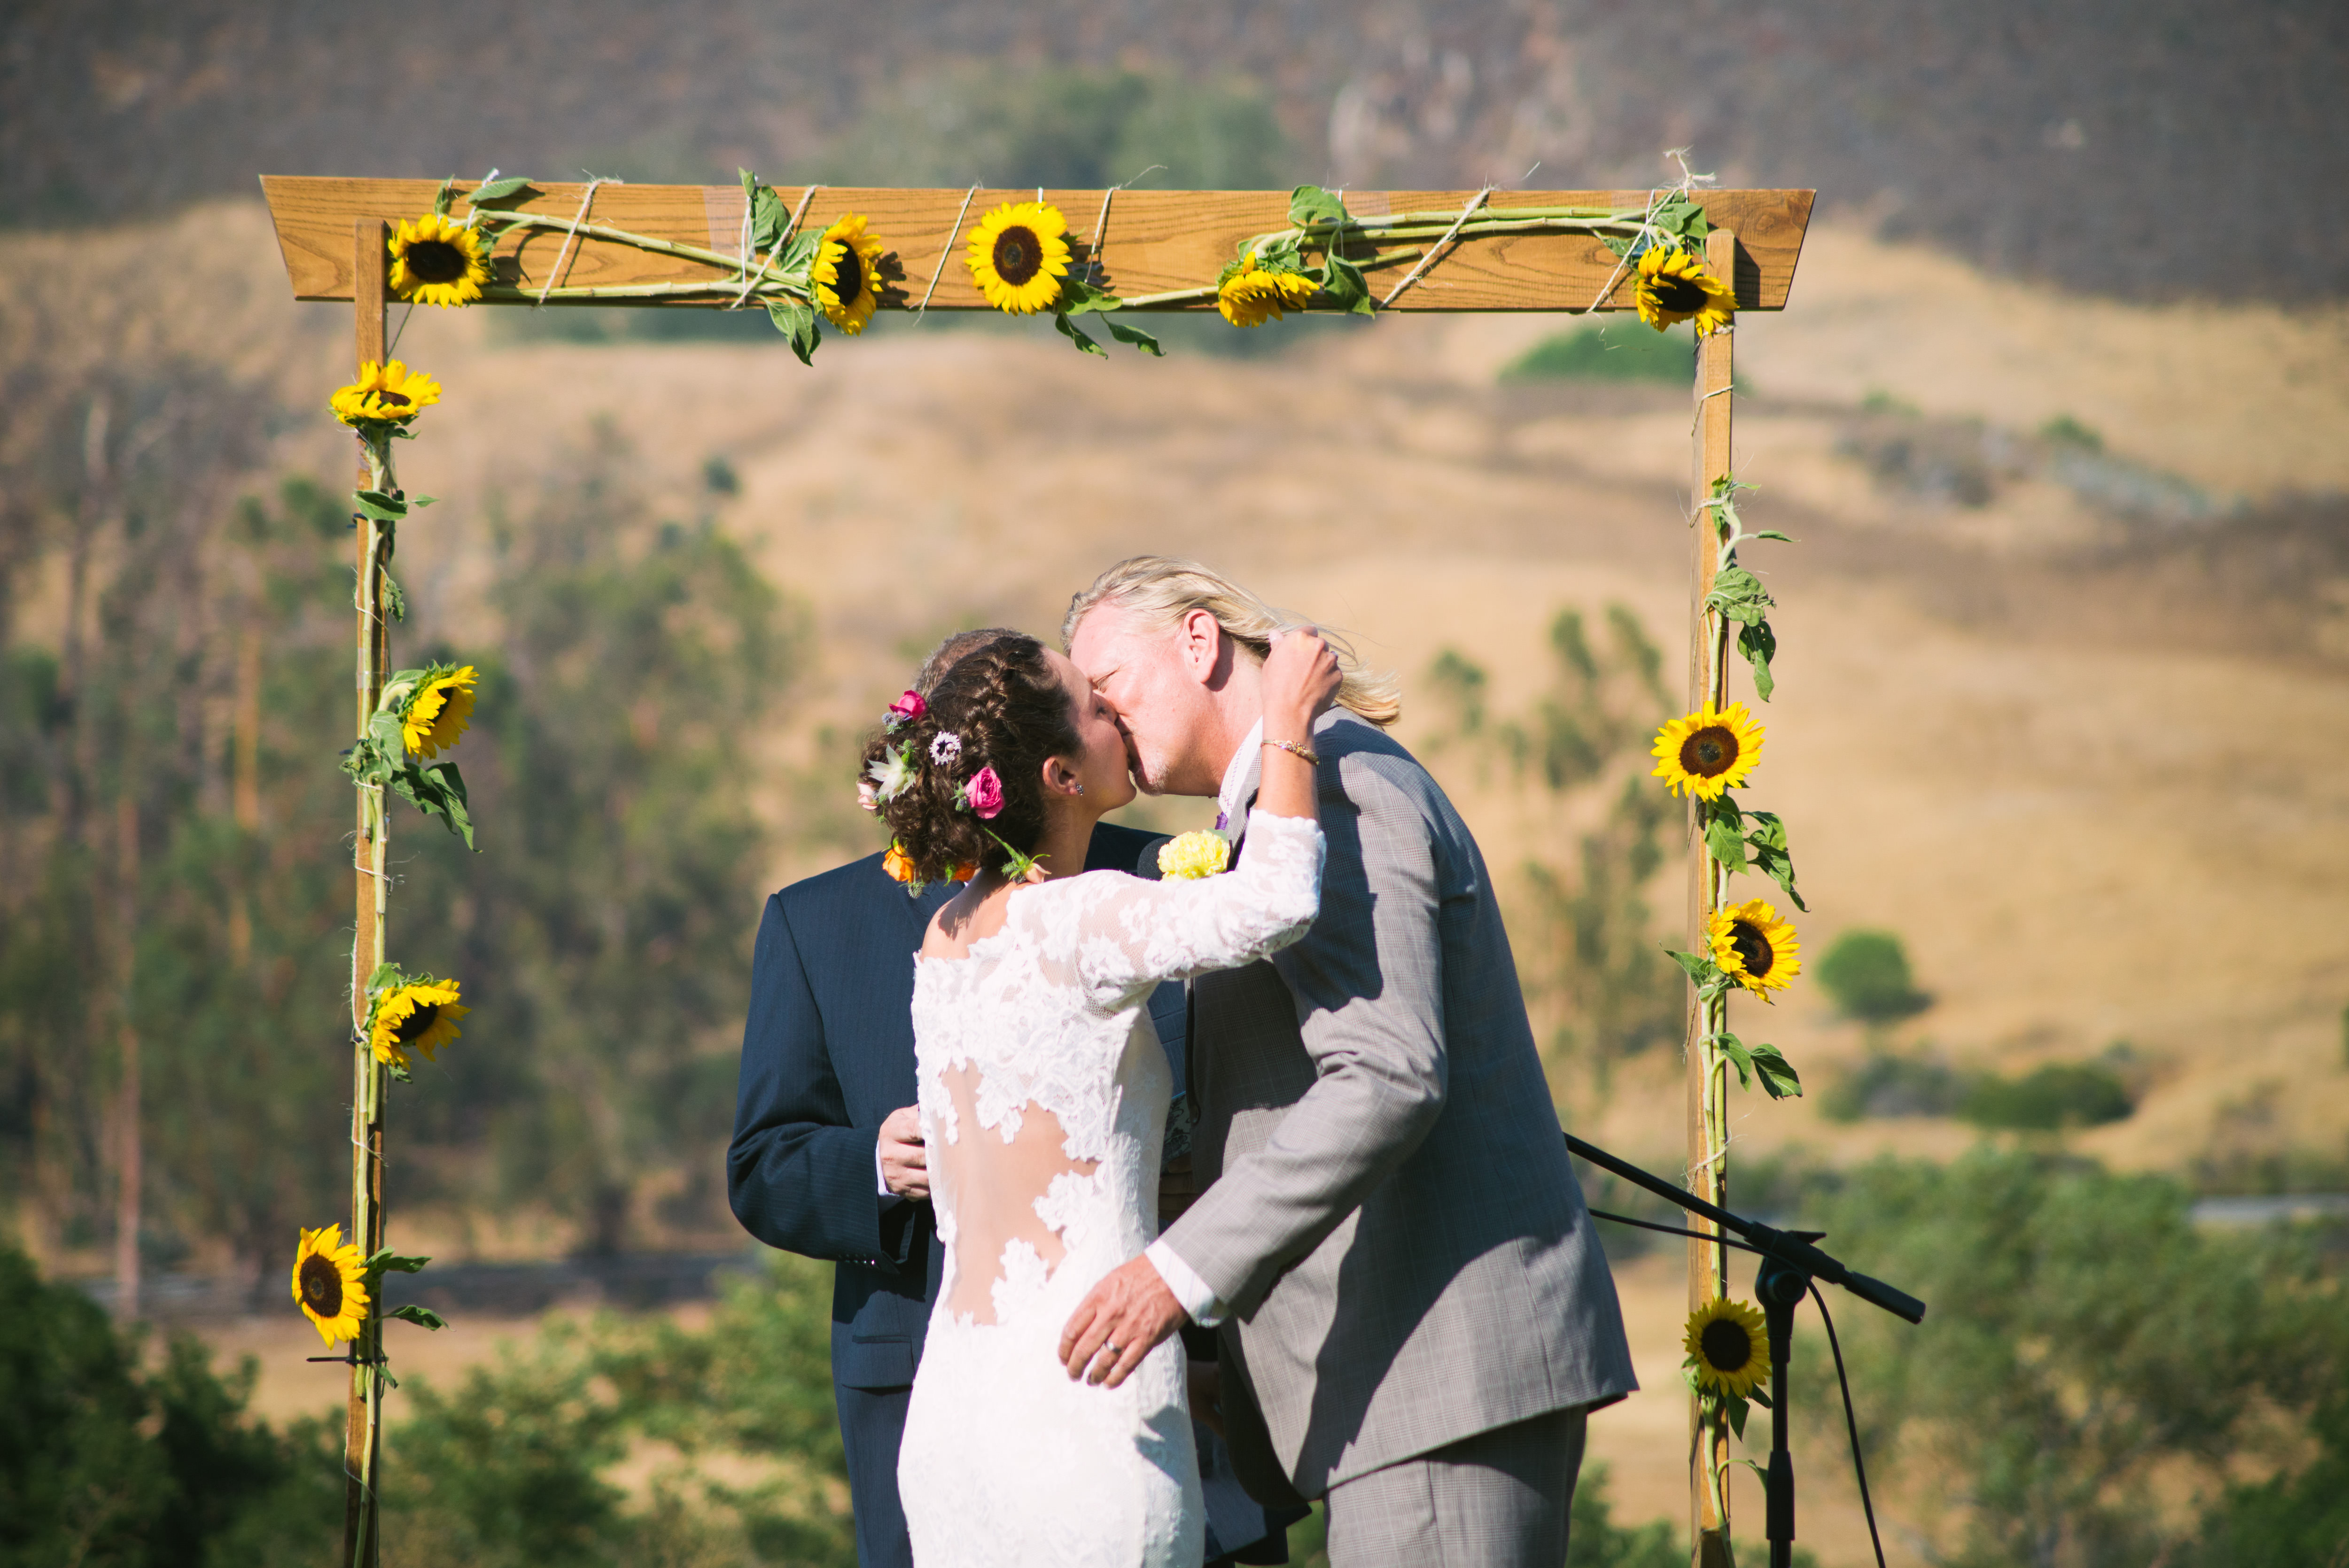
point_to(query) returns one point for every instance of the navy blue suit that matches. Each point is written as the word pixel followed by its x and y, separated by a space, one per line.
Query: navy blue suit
pixel 827 1055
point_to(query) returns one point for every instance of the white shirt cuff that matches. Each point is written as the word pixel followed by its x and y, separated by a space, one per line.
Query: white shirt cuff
pixel 882 1180
pixel 1189 1289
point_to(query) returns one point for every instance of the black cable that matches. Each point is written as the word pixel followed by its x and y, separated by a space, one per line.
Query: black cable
pixel 1851 1424
pixel 1668 1230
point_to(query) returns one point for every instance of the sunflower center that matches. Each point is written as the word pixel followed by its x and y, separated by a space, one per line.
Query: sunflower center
pixel 436 262
pixel 847 277
pixel 1679 295
pixel 411 1028
pixel 1753 949
pixel 1019 255
pixel 322 1285
pixel 1726 1344
pixel 1708 752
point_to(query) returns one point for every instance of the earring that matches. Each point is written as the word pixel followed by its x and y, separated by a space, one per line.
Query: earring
pixel 1081 786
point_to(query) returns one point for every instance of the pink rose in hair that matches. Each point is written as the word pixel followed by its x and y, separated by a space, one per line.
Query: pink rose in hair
pixel 905 710
pixel 985 793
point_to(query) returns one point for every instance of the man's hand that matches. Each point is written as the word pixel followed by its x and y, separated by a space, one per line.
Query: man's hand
pixel 1123 1319
pixel 904 1163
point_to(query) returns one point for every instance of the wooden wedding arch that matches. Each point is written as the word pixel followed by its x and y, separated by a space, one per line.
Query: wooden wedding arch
pixel 333 233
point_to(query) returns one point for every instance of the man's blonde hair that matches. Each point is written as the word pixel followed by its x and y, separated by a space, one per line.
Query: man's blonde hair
pixel 1159 591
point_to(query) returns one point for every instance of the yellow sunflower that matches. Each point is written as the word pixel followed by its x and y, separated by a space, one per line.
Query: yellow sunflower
pixel 436 262
pixel 1019 254
pixel 389 392
pixel 1751 943
pixel 1674 286
pixel 842 273
pixel 420 1016
pixel 328 1284
pixel 1729 1345
pixel 1708 751
pixel 1254 294
pixel 439 712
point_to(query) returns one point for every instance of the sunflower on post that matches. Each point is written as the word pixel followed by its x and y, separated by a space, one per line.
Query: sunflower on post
pixel 1704 756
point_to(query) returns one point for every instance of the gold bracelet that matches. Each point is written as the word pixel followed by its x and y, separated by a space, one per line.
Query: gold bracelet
pixel 1312 758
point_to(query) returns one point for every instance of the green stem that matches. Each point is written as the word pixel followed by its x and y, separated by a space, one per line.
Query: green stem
pixel 619 237
pixel 507 294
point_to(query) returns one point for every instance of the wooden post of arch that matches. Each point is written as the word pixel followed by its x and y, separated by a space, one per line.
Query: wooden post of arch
pixel 1157 241
pixel 1707 1071
pixel 363 1422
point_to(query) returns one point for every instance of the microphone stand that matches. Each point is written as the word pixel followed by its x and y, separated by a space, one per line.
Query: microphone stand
pixel 1789 1264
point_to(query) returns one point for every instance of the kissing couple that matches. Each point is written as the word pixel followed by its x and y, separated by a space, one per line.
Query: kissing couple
pixel 1383 1290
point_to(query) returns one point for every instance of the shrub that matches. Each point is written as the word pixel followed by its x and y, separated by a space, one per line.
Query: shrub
pixel 1892 1084
pixel 1608 354
pixel 2056 1094
pixel 1867 974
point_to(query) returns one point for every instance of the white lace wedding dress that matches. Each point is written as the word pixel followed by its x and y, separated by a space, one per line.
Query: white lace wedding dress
pixel 1043 1101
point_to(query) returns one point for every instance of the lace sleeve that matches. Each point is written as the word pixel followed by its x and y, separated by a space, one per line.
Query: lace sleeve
pixel 1132 934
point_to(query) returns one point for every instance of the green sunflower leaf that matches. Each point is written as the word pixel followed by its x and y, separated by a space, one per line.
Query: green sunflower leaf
pixel 380 505
pixel 1079 297
pixel 1619 243
pixel 387 976
pixel 442 197
pixel 1739 595
pixel 1733 1048
pixel 437 790
pixel 799 250
pixel 769 217
pixel 1069 330
pixel 1725 844
pixel 1700 969
pixel 1736 1409
pixel 797 323
pixel 1759 645
pixel 1761 1397
pixel 1343 282
pixel 389 1261
pixel 1773 533
pixel 422 1316
pixel 1310 204
pixel 393 599
pixel 1136 338
pixel 492 191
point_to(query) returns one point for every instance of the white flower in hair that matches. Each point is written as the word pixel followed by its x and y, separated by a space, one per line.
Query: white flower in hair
pixel 892 773
pixel 945 749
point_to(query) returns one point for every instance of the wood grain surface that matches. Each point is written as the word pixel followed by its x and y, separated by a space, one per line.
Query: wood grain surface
pixel 1153 241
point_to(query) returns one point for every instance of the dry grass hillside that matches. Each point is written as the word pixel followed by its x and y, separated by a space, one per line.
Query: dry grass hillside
pixel 2073 726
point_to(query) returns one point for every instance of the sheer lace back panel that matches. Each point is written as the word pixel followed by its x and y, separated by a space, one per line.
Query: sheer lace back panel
pixel 999 1184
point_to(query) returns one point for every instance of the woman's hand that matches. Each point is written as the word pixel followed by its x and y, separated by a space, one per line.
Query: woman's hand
pixel 1300 682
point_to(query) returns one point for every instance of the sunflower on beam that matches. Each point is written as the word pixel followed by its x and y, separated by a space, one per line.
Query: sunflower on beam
pixel 1019 254
pixel 436 262
pixel 842 273
pixel 1672 285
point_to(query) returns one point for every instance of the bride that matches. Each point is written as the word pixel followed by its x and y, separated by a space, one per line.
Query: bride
pixel 1044 1093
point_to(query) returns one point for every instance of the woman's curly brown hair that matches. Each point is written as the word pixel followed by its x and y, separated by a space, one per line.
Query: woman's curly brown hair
pixel 1011 713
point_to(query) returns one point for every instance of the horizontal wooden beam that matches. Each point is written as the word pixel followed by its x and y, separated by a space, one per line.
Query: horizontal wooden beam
pixel 1155 241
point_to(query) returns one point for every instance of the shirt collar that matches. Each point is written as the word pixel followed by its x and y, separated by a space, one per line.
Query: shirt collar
pixel 1231 801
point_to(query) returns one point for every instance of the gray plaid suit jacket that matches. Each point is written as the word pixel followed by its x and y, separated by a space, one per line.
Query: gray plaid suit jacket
pixel 1392 1219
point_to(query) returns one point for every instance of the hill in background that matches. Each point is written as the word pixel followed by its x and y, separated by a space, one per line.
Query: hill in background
pixel 2137 148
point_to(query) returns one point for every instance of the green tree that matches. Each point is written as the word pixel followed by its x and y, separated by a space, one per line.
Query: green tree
pixel 603 933
pixel 102 1463
pixel 2083 1337
pixel 1867 974
pixel 1592 961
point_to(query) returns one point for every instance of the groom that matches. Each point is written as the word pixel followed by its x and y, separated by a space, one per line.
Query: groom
pixel 1414 1314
